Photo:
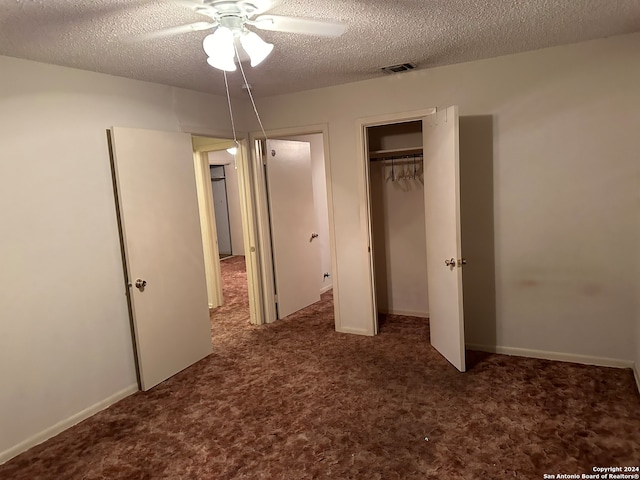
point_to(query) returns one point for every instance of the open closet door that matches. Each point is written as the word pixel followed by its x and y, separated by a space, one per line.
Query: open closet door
pixel 444 251
pixel 160 225
pixel 296 257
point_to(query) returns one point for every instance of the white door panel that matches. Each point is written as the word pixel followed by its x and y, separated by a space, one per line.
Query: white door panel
pixel 163 246
pixel 296 258
pixel 442 214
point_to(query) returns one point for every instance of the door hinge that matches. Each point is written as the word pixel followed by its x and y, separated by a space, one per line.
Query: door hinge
pixel 275 298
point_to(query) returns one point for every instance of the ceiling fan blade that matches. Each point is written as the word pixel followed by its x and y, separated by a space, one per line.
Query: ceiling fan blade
pixel 300 25
pixel 172 31
pixel 197 6
pixel 264 5
pixel 188 3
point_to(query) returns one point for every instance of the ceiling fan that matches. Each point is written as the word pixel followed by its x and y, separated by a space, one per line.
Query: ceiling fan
pixel 230 19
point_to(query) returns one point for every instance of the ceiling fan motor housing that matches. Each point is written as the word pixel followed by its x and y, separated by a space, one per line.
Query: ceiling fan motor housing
pixel 228 13
pixel 230 7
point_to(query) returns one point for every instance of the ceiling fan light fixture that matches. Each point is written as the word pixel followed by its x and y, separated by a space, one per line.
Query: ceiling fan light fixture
pixel 222 63
pixel 219 48
pixel 219 42
pixel 256 48
pixel 233 150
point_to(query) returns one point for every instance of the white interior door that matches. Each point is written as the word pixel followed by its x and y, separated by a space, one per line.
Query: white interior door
pixel 296 258
pixel 444 251
pixel 163 247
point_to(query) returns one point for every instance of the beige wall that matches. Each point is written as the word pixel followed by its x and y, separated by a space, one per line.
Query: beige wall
pixel 565 182
pixel 65 341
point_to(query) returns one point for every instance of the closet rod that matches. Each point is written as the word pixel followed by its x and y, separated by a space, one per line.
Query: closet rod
pixel 417 156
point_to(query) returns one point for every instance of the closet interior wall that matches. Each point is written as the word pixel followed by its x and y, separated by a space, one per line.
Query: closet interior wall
pixel 397 218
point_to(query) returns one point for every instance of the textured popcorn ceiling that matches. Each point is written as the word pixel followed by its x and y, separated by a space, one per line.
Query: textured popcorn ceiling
pixel 97 35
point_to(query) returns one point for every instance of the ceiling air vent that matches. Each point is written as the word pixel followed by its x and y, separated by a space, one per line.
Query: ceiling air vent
pixel 402 67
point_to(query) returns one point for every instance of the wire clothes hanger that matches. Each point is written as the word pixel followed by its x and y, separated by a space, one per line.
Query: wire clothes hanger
pixel 409 166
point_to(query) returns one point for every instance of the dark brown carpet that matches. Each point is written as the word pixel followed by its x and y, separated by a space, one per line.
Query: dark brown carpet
pixel 296 400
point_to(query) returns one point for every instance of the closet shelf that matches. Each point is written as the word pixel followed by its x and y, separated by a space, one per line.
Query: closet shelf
pixel 396 152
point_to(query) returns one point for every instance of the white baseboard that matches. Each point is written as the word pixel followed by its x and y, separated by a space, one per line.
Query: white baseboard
pixel 408 313
pixel 545 355
pixel 64 424
pixel 354 331
pixel 636 373
pixel 326 288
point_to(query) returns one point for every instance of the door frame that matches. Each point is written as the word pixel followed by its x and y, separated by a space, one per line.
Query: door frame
pixel 248 217
pixel 364 183
pixel 262 215
pixel 209 230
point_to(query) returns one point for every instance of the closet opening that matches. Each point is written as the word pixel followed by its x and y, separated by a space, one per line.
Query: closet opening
pixel 412 210
pixel 397 216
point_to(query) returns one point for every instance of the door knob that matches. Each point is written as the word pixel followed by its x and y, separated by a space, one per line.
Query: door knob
pixel 313 235
pixel 141 283
pixel 450 262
